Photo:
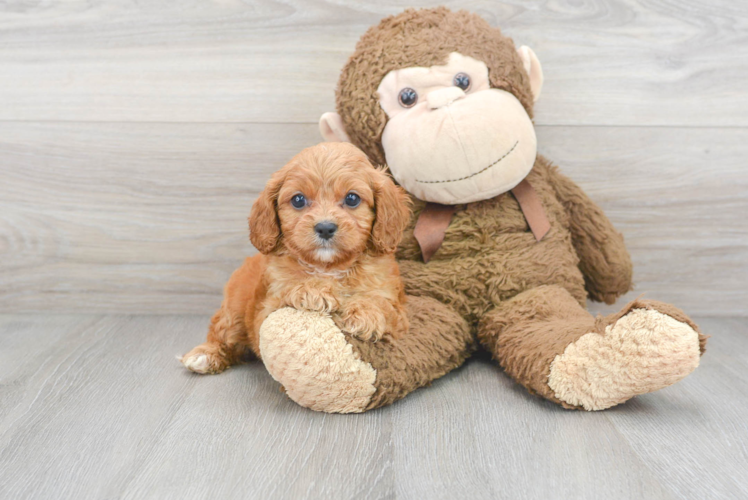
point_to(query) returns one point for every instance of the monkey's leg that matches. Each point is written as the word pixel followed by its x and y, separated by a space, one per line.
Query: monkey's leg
pixel 551 345
pixel 325 370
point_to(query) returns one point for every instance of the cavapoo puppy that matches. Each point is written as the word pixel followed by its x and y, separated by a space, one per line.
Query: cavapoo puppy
pixel 327 226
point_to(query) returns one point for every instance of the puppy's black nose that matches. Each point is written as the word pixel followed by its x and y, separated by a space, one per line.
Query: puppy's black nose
pixel 325 230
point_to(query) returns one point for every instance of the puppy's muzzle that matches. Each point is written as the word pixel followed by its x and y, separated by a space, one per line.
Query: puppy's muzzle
pixel 325 230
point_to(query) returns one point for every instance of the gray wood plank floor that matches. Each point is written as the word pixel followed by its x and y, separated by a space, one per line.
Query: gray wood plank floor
pixel 97 407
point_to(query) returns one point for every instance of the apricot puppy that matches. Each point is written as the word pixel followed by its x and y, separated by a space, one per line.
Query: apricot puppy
pixel 327 226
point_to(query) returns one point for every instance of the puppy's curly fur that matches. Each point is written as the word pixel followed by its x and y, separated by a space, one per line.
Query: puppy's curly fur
pixel 352 275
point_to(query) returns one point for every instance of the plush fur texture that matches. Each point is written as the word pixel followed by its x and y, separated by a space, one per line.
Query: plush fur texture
pixel 534 328
pixel 420 38
pixel 490 282
pixel 489 255
pixel 454 146
pixel 524 300
pixel 643 351
pixel 307 353
pixel 324 370
pixel 351 276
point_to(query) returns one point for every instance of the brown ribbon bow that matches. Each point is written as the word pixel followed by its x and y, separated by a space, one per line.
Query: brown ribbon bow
pixel 434 219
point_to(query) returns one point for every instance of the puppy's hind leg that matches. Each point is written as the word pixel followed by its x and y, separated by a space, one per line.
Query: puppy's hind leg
pixel 228 339
pixel 226 345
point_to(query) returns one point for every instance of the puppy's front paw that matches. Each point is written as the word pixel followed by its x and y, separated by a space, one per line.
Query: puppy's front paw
pixel 203 361
pixel 361 322
pixel 320 299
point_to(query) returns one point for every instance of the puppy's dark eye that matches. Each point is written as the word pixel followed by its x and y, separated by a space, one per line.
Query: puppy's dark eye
pixel 462 80
pixel 352 200
pixel 408 97
pixel 298 201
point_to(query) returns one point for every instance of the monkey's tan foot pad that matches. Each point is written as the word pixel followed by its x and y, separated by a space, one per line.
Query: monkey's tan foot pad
pixel 309 355
pixel 643 351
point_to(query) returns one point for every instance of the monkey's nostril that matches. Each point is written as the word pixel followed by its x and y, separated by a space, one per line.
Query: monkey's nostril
pixel 325 230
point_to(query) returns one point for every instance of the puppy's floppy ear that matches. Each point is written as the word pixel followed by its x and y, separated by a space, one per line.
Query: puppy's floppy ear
pixel 264 226
pixel 392 207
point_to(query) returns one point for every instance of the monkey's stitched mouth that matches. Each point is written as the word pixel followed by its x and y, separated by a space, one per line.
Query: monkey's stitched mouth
pixel 476 173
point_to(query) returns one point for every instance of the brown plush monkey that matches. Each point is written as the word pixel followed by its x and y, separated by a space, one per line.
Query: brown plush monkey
pixel 508 246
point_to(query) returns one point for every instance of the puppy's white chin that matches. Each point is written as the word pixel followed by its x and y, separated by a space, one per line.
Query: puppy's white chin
pixel 325 254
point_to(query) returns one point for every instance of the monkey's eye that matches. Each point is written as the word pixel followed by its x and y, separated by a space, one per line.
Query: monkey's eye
pixel 298 201
pixel 462 80
pixel 408 97
pixel 352 200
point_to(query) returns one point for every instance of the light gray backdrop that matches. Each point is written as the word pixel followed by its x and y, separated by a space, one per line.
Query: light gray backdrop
pixel 135 136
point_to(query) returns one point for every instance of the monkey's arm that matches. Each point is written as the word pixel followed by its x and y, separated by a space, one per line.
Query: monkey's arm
pixel 604 260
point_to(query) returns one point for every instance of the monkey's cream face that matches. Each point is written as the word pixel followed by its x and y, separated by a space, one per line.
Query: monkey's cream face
pixel 450 137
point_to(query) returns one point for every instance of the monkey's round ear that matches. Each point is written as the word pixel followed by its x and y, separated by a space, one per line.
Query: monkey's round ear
pixel 534 71
pixel 331 128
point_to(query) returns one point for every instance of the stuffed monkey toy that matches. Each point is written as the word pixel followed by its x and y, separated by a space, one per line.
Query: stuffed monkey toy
pixel 502 251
